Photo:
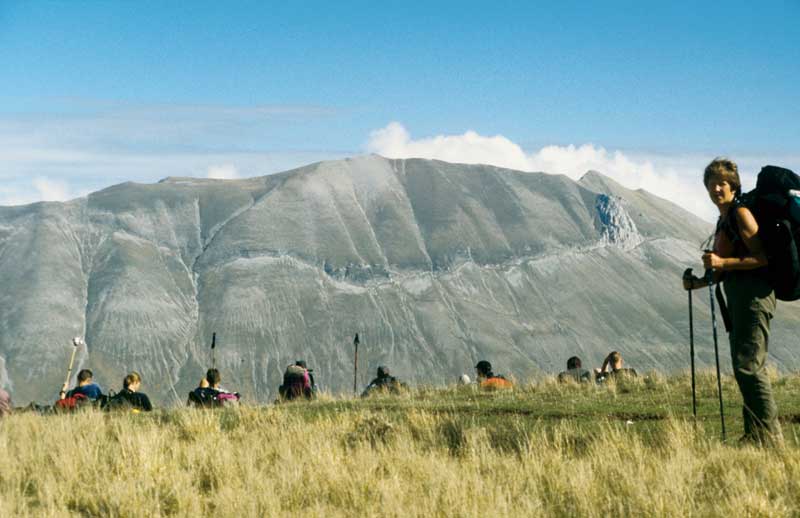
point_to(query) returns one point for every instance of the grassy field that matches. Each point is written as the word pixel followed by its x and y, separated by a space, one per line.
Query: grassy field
pixel 544 449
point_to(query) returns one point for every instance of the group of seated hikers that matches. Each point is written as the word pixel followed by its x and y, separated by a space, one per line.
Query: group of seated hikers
pixel 611 369
pixel 298 383
pixel 87 392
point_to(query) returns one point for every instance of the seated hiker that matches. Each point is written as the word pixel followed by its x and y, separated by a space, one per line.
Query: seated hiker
pixel 209 393
pixel 384 382
pixel 86 392
pixel 574 371
pixel 6 407
pixel 612 368
pixel 488 379
pixel 129 396
pixel 86 387
pixel 296 384
pixel 310 373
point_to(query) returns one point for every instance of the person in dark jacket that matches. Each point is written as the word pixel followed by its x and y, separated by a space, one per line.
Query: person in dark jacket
pixel 384 382
pixel 575 371
pixel 129 396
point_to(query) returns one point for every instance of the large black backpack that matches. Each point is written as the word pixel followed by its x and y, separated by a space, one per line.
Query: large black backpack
pixel 294 384
pixel 775 203
pixel 204 397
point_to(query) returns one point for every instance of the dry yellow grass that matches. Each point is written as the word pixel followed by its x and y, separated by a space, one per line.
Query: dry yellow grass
pixel 335 458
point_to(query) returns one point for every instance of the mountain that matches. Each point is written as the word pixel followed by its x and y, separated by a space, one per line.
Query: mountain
pixel 436 265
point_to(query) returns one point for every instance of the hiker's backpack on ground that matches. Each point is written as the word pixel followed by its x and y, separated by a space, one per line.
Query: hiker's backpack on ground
pixel 207 397
pixel 204 397
pixel 71 403
pixel 775 203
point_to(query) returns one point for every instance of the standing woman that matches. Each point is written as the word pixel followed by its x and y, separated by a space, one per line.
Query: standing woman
pixel 739 261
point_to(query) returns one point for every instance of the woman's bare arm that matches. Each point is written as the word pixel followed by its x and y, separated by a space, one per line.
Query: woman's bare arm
pixel 748 231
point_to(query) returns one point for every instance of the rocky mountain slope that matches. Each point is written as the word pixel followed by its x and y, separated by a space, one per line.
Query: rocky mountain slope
pixel 436 265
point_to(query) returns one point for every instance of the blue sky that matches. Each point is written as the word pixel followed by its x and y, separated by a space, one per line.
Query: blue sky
pixel 94 93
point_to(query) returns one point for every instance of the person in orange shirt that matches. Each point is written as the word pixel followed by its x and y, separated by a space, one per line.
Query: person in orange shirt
pixel 489 380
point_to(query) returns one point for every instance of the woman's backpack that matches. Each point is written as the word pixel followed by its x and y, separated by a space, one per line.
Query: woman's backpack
pixel 296 383
pixel 775 203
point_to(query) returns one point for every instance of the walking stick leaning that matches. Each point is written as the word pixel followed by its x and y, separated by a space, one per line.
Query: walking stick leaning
pixel 688 274
pixel 356 341
pixel 77 341
pixel 710 278
pixel 214 350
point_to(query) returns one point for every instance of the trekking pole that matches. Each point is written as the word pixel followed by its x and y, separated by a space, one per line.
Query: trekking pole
pixel 710 278
pixel 75 343
pixel 214 350
pixel 688 274
pixel 356 341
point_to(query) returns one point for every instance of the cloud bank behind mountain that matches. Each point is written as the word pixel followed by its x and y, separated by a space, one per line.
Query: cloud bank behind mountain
pixel 674 177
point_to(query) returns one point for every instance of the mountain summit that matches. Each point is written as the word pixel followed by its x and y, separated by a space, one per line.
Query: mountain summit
pixel 435 265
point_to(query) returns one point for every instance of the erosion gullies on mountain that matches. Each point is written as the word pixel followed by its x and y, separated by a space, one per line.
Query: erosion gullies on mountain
pixel 436 265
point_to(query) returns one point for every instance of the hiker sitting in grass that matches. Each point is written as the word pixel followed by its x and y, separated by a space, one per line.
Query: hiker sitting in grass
pixel 129 396
pixel 6 406
pixel 296 384
pixel 86 387
pixel 209 393
pixel 488 379
pixel 383 383
pixel 612 368
pixel 574 371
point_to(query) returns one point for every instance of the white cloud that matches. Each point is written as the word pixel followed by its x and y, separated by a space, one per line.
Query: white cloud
pixel 78 146
pixel 51 190
pixel 223 172
pixel 470 148
pixel 673 178
pixel 38 189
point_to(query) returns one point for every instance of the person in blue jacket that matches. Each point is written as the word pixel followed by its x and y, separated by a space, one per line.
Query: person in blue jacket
pixel 86 387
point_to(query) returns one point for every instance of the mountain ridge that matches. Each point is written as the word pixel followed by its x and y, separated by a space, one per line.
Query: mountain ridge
pixel 435 264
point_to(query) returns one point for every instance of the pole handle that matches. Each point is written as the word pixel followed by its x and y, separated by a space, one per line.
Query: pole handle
pixel 77 341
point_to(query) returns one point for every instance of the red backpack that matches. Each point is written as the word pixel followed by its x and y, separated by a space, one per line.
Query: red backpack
pixel 69 404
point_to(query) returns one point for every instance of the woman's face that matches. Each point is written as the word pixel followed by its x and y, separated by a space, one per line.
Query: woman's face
pixel 720 191
pixel 134 387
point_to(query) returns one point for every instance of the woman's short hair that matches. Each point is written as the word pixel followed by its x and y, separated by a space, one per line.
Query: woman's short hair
pixel 724 169
pixel 131 378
